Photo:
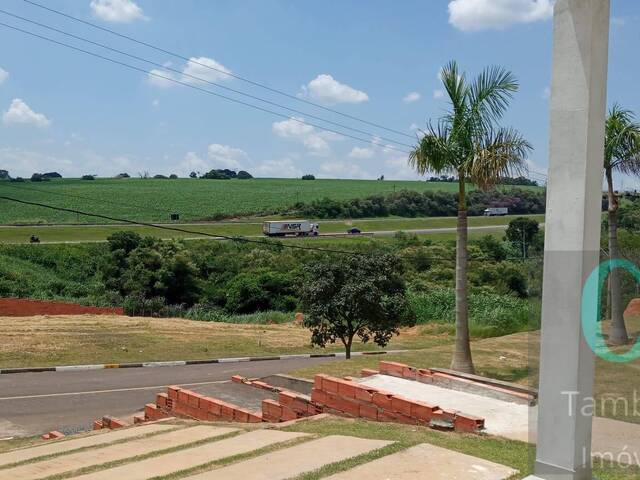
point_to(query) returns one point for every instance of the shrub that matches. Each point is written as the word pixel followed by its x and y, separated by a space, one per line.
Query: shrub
pixel 244 175
pixel 308 177
pixel 88 177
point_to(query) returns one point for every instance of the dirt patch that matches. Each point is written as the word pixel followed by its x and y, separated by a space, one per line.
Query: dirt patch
pixel 23 307
pixel 633 309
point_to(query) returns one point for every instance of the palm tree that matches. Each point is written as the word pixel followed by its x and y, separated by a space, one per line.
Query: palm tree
pixel 622 155
pixel 468 142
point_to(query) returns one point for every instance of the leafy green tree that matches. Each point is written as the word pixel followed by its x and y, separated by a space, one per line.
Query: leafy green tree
pixel 469 143
pixel 522 232
pixel 363 296
pixel 621 155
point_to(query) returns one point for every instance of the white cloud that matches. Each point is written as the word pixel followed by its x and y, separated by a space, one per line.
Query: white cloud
pixel 224 156
pixel 474 15
pixel 283 168
pixel 20 113
pixel 192 162
pixel 198 70
pixel 326 89
pixel 361 152
pixel 23 163
pixel 155 103
pixel 317 142
pixel 412 97
pixel 438 94
pixel 3 75
pixel 414 126
pixel 340 169
pixel 121 11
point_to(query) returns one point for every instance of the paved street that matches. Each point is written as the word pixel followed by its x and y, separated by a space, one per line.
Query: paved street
pixel 32 403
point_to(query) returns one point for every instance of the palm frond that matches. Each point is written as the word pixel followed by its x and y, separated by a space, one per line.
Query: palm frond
pixel 622 141
pixel 434 153
pixel 490 93
pixel 500 153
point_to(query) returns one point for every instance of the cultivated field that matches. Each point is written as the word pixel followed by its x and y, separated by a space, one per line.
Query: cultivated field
pixel 194 199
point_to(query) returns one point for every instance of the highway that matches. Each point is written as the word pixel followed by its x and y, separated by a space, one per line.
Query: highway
pixel 34 403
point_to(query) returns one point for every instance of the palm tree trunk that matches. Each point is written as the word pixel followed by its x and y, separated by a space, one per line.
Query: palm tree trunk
pixel 462 360
pixel 618 331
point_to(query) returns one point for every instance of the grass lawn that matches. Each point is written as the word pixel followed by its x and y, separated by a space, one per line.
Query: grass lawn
pixel 68 233
pixel 88 339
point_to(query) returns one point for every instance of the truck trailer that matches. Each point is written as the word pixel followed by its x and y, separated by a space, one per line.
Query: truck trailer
pixel 299 228
pixel 496 211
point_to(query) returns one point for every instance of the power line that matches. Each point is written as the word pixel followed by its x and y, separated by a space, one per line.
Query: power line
pixel 238 239
pixel 194 87
pixel 200 79
pixel 195 62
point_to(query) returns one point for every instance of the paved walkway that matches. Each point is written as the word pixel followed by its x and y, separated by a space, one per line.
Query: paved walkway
pixel 270 454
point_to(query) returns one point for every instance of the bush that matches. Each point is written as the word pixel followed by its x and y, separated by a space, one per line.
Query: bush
pixel 173 176
pixel 88 177
pixel 243 175
pixel 308 177
pixel 505 313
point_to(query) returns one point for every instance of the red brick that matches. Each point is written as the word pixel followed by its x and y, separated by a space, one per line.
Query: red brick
pixel 288 414
pixel 241 415
pixel 367 372
pixel 226 410
pixel 401 405
pixel 314 409
pixel 172 392
pixel 318 396
pixel 406 419
pixel 161 400
pixel 97 425
pixel 364 394
pixel 347 406
pixel 330 384
pixel 139 418
pixel 255 417
pixel 392 368
pixel 422 411
pixel 286 398
pixel 443 415
pixel 238 378
pixel 151 411
pixel 409 372
pixel 346 389
pixel 382 400
pixel 425 376
pixel 318 379
pixel 116 423
pixel 271 410
pixel 214 407
pixel 299 405
pixel 194 400
pixel 183 396
pixel 468 423
pixel 263 385
pixel 385 416
pixel 368 411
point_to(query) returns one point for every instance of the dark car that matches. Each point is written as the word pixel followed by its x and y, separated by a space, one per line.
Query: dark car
pixel 354 231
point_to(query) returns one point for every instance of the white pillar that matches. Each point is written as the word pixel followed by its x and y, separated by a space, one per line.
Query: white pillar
pixel 572 235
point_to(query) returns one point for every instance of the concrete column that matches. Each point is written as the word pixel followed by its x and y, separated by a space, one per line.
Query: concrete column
pixel 572 235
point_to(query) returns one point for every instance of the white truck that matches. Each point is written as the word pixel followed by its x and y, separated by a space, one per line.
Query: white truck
pixel 299 228
pixel 496 211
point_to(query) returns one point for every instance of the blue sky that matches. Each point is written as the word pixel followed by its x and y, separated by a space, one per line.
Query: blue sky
pixel 377 60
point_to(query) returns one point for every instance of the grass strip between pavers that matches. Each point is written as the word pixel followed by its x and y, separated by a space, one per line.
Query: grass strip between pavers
pixel 223 462
pixel 81 449
pixel 511 453
pixel 138 458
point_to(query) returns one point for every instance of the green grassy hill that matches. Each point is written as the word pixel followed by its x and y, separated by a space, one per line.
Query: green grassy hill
pixel 194 199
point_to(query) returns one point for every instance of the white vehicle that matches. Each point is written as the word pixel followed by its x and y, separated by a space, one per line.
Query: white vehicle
pixel 299 228
pixel 496 211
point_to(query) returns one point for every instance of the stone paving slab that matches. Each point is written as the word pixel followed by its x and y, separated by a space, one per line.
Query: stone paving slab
pixel 193 457
pixel 427 461
pixel 112 453
pixel 63 446
pixel 294 461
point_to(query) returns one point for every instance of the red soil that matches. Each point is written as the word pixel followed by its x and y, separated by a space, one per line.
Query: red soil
pixel 24 307
pixel 633 309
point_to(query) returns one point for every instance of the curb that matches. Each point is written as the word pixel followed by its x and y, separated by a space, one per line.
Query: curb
pixel 181 363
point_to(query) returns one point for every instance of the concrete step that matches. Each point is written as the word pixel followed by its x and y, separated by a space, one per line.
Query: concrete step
pixel 294 461
pixel 193 457
pixel 112 453
pixel 427 461
pixel 67 445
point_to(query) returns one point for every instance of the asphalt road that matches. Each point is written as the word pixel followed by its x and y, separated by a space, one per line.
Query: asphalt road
pixel 34 403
